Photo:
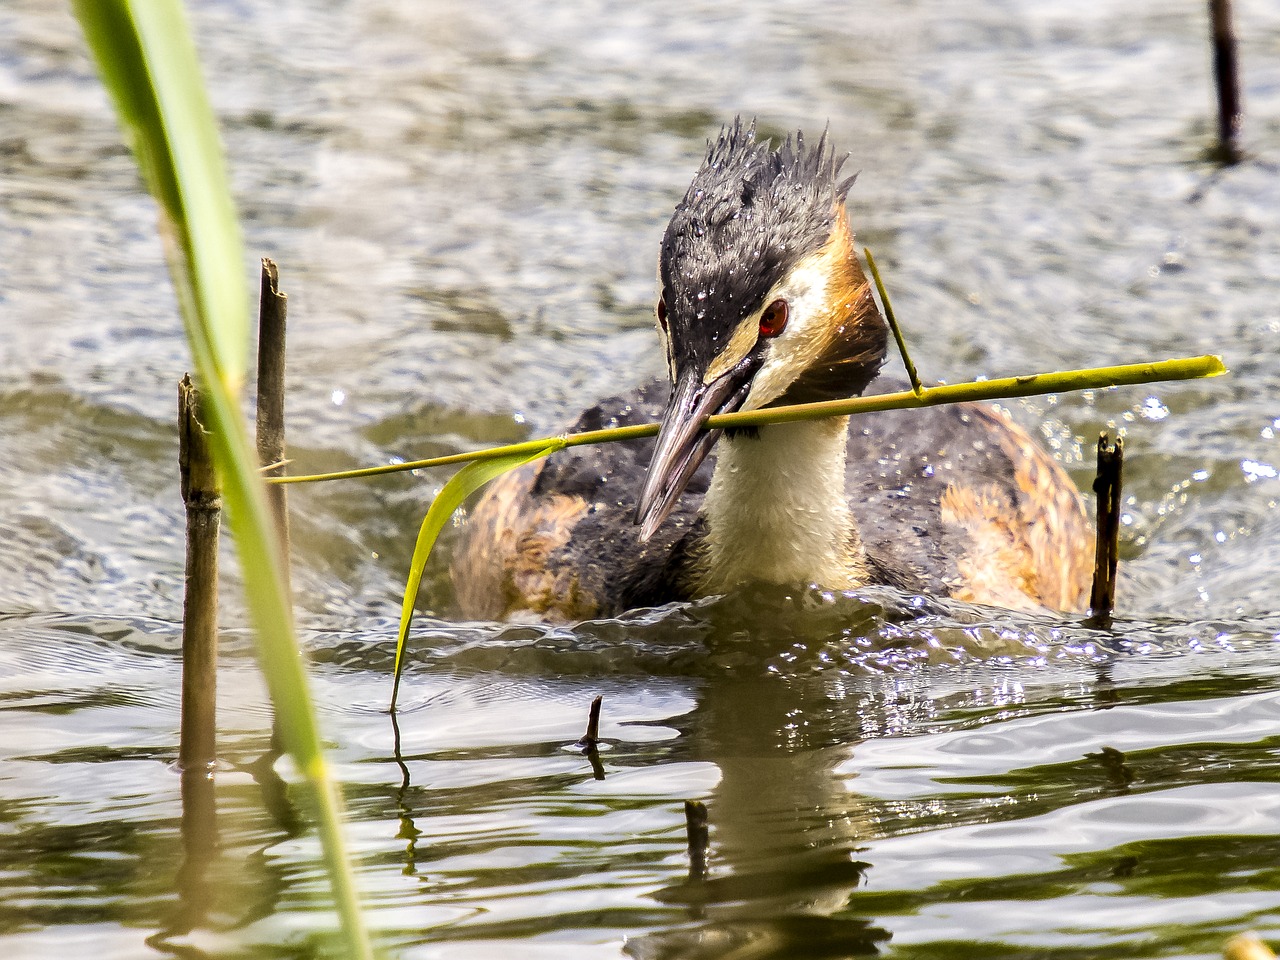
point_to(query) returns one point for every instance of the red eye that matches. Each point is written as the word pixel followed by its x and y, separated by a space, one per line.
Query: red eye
pixel 774 319
pixel 662 313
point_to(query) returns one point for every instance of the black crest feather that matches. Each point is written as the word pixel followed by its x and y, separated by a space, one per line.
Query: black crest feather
pixel 750 215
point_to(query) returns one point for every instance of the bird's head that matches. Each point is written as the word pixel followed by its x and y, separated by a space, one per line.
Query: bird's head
pixel 763 300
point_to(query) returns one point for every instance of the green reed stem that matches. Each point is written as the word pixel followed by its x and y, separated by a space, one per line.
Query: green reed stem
pixel 1089 378
pixel 893 323
pixel 148 63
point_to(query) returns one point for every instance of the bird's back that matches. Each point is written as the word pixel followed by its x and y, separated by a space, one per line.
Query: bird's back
pixel 955 500
pixel 960 500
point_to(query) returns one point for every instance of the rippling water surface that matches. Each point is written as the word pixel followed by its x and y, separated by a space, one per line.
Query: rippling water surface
pixel 465 202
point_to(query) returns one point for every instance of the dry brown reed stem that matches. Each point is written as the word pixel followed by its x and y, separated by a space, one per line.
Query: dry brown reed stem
pixel 592 736
pixel 1226 74
pixel 272 313
pixel 1107 485
pixel 203 498
pixel 695 825
pixel 590 742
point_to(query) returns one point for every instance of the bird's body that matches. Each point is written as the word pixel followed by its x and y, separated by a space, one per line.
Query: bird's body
pixel 764 303
pixel 954 501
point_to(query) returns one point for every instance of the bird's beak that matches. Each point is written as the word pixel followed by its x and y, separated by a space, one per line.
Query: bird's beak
pixel 682 442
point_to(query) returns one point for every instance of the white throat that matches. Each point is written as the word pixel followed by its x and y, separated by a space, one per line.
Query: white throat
pixel 776 511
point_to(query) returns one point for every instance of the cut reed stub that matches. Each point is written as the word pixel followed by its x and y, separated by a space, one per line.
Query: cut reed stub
pixel 1226 75
pixel 202 496
pixel 1107 485
pixel 592 737
pixel 272 322
pixel 695 824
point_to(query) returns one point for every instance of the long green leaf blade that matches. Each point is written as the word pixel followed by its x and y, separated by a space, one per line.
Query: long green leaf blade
pixel 148 63
pixel 460 486
pixel 213 245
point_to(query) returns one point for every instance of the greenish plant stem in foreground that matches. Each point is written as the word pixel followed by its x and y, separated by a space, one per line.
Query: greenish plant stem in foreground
pixel 1092 378
pixel 148 63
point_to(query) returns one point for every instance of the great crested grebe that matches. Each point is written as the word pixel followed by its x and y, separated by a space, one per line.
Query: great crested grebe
pixel 764 303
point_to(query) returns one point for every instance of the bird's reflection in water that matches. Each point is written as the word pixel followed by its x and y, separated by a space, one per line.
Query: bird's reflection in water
pixel 785 830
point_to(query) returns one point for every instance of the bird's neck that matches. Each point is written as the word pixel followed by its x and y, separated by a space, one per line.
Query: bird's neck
pixel 777 512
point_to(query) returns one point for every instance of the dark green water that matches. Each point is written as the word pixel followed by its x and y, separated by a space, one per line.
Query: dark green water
pixel 465 202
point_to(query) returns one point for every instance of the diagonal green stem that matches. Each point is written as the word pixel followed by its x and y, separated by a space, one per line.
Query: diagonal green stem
pixel 893 323
pixel 1091 378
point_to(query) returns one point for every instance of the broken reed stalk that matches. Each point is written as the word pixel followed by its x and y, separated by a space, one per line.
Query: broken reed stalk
pixel 203 498
pixel 272 312
pixel 1226 74
pixel 592 736
pixel 1092 378
pixel 269 422
pixel 1107 485
pixel 695 826
pixel 590 742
